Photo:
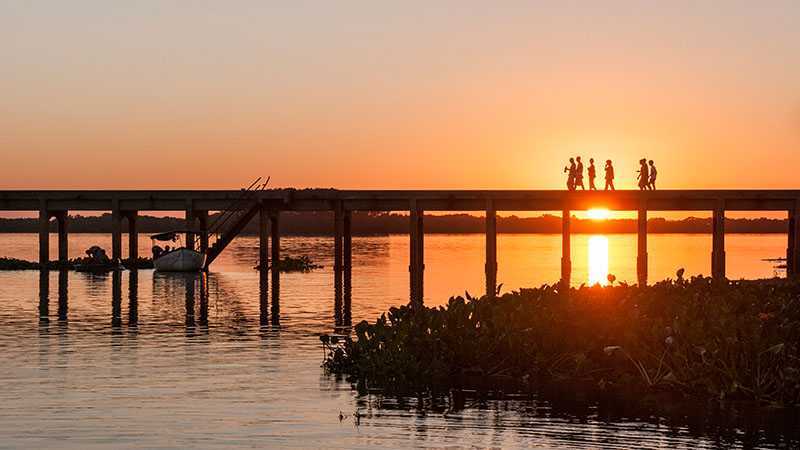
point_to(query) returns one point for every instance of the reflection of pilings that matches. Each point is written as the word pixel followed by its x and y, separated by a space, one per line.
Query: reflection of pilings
pixel 190 322
pixel 275 313
pixel 347 269
pixel 204 299
pixel 63 296
pixel 338 237
pixel 566 262
pixel 116 300
pixel 44 295
pixel 276 274
pixel 133 298
pixel 263 297
pixel 641 254
pixel 718 241
pixel 490 266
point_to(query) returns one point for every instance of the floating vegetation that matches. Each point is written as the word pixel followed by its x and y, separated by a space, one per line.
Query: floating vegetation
pixel 731 340
pixel 21 264
pixel 289 264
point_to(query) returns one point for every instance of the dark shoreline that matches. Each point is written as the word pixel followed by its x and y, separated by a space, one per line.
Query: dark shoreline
pixel 371 224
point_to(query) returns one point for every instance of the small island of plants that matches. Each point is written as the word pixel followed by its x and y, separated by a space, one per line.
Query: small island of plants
pixel 721 339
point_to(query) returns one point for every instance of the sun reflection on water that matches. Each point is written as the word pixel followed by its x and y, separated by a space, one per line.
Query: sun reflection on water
pixel 598 259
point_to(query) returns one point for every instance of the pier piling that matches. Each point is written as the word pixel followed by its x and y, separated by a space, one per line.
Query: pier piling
pixel 641 254
pixel 116 230
pixel 133 234
pixel 491 249
pixel 566 263
pixel 718 241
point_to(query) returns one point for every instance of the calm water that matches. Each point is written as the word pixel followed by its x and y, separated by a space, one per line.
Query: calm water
pixel 158 360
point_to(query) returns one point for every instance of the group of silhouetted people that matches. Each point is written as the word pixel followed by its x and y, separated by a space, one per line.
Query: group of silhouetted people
pixel 575 174
pixel 647 175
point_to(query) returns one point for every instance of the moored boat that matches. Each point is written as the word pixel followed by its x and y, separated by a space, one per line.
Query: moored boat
pixel 180 259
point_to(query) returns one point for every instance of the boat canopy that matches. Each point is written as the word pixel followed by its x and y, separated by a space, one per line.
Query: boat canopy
pixel 170 235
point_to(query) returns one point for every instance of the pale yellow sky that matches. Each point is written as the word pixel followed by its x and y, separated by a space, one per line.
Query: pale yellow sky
pixel 396 95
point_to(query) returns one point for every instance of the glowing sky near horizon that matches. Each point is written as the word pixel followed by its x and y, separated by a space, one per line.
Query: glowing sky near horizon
pixel 397 95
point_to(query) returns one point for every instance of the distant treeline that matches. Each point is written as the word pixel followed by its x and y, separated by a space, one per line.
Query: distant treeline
pixel 370 223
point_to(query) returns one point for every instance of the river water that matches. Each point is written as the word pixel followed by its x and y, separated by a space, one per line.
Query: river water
pixel 145 359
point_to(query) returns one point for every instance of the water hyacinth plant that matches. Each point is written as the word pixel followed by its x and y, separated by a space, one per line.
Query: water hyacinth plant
pixel 728 339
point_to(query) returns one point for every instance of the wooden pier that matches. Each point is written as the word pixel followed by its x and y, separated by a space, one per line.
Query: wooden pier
pixel 268 204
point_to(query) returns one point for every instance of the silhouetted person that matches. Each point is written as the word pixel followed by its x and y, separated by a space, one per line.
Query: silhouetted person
pixel 609 175
pixel 592 172
pixel 644 176
pixel 652 181
pixel 579 174
pixel 570 174
pixel 166 250
pixel 157 251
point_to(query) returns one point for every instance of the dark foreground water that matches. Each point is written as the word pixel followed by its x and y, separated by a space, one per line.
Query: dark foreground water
pixel 144 359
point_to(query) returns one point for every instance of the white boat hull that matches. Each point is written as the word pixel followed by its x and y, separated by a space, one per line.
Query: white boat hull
pixel 180 260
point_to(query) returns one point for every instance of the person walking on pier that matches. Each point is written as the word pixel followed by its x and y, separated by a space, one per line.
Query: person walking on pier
pixel 592 172
pixel 644 176
pixel 579 174
pixel 609 175
pixel 652 182
pixel 570 174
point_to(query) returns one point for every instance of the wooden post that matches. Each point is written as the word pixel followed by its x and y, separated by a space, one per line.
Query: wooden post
pixel 202 216
pixel 415 252
pixel 44 232
pixel 338 236
pixel 133 234
pixel 347 262
pixel 790 256
pixel 276 240
pixel 641 255
pixel 190 225
pixel 116 230
pixel 263 238
pixel 794 232
pixel 63 253
pixel 566 263
pixel 718 241
pixel 491 249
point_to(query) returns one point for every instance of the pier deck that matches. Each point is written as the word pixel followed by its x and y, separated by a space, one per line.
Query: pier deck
pixel 198 203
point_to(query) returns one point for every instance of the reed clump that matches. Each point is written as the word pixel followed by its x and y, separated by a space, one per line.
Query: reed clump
pixel 731 340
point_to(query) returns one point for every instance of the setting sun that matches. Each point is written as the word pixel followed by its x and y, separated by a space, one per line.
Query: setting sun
pixel 598 214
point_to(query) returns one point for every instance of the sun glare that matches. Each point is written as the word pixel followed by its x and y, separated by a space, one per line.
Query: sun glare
pixel 598 260
pixel 598 214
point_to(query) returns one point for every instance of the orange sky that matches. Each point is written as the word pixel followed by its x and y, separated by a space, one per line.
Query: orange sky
pixel 396 95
